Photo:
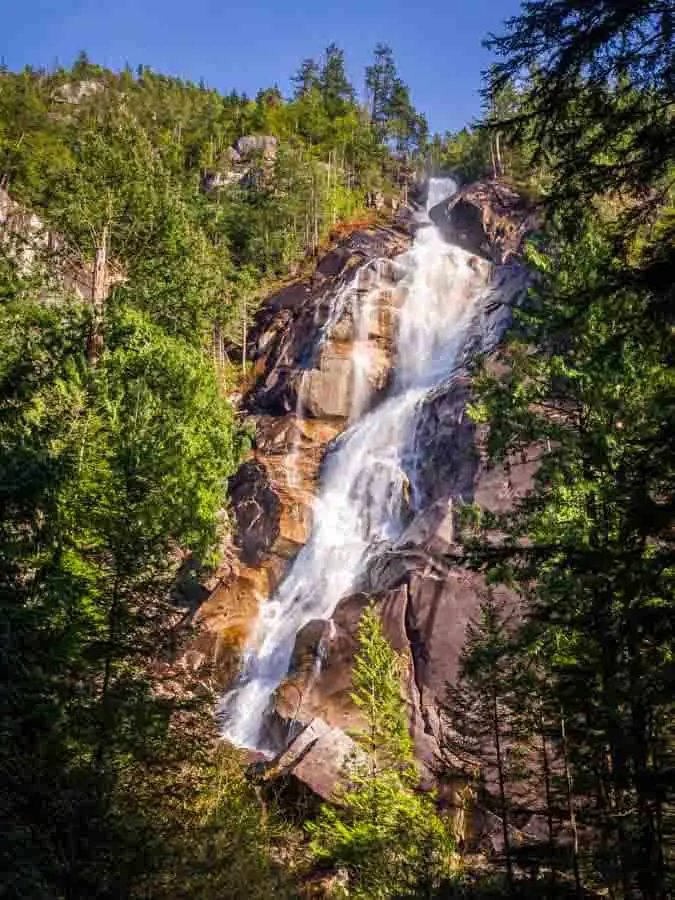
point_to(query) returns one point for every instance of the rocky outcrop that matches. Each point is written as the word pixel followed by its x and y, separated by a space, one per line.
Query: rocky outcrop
pixel 248 163
pixel 29 240
pixel 257 511
pixel 322 349
pixel 74 92
pixel 488 218
pixel 318 758
pixel 251 145
pixel 304 337
pixel 303 347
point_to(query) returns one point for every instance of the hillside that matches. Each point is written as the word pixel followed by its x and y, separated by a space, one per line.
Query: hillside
pixel 336 478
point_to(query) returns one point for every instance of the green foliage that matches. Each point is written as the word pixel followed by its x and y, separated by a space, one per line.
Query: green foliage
pixel 392 112
pixel 381 829
pixel 466 154
pixel 376 679
pixel 587 388
pixel 599 97
pixel 104 473
pixel 218 840
pixel 99 151
pixel 335 88
pixel 589 382
pixel 477 737
pixel 488 149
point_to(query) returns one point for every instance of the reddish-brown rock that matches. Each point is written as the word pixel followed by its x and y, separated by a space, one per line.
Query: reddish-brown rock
pixel 272 493
pixel 304 392
pixel 488 218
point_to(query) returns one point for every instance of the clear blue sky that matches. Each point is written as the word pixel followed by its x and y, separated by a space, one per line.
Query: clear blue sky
pixel 249 45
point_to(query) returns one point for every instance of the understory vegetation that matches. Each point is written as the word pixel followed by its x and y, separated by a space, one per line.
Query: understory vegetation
pixel 123 312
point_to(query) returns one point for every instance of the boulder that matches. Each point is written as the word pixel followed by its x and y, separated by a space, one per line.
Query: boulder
pixel 253 144
pixel 215 180
pixel 327 391
pixel 248 164
pixel 487 218
pixel 257 511
pixel 75 92
pixel 431 531
pixel 319 758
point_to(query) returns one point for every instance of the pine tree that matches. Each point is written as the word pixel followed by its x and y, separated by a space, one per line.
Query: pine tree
pixel 478 736
pixel 307 78
pixel 336 90
pixel 601 89
pixel 380 828
pixel 381 79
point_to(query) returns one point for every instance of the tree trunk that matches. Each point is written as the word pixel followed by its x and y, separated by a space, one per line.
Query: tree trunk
pixel 549 806
pixel 496 726
pixel 569 790
pixel 498 154
pixel 244 335
pixel 99 291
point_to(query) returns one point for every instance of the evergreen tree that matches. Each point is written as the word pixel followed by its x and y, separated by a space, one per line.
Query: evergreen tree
pixel 391 108
pixel 600 96
pixel 597 392
pixel 336 90
pixel 381 80
pixel 104 472
pixel 307 78
pixel 478 734
pixel 381 829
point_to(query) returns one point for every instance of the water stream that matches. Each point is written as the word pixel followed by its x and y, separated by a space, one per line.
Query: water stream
pixel 365 492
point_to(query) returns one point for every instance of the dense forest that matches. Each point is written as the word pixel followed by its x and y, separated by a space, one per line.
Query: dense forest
pixel 181 208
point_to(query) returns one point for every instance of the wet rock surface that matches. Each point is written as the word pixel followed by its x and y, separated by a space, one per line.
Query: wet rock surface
pixel 300 402
pixel 488 218
pixel 303 336
pixel 257 511
pixel 302 346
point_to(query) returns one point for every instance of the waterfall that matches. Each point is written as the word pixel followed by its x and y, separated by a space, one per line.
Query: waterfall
pixel 365 497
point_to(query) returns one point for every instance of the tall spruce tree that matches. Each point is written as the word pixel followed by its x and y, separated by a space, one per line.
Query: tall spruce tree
pixel 478 738
pixel 307 78
pixel 383 831
pixel 336 90
pixel 590 383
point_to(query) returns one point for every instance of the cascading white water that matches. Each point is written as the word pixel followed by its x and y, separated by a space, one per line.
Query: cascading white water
pixel 365 490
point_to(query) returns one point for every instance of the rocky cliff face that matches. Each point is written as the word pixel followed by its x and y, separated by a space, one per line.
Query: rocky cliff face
pixel 488 218
pixel 302 399
pixel 27 239
pixel 310 381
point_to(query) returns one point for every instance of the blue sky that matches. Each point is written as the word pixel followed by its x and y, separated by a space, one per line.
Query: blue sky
pixel 249 45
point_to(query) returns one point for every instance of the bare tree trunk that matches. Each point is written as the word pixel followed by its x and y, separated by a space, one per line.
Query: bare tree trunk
pixel 549 805
pixel 244 331
pixel 496 725
pixel 570 806
pixel 99 291
pixel 498 154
